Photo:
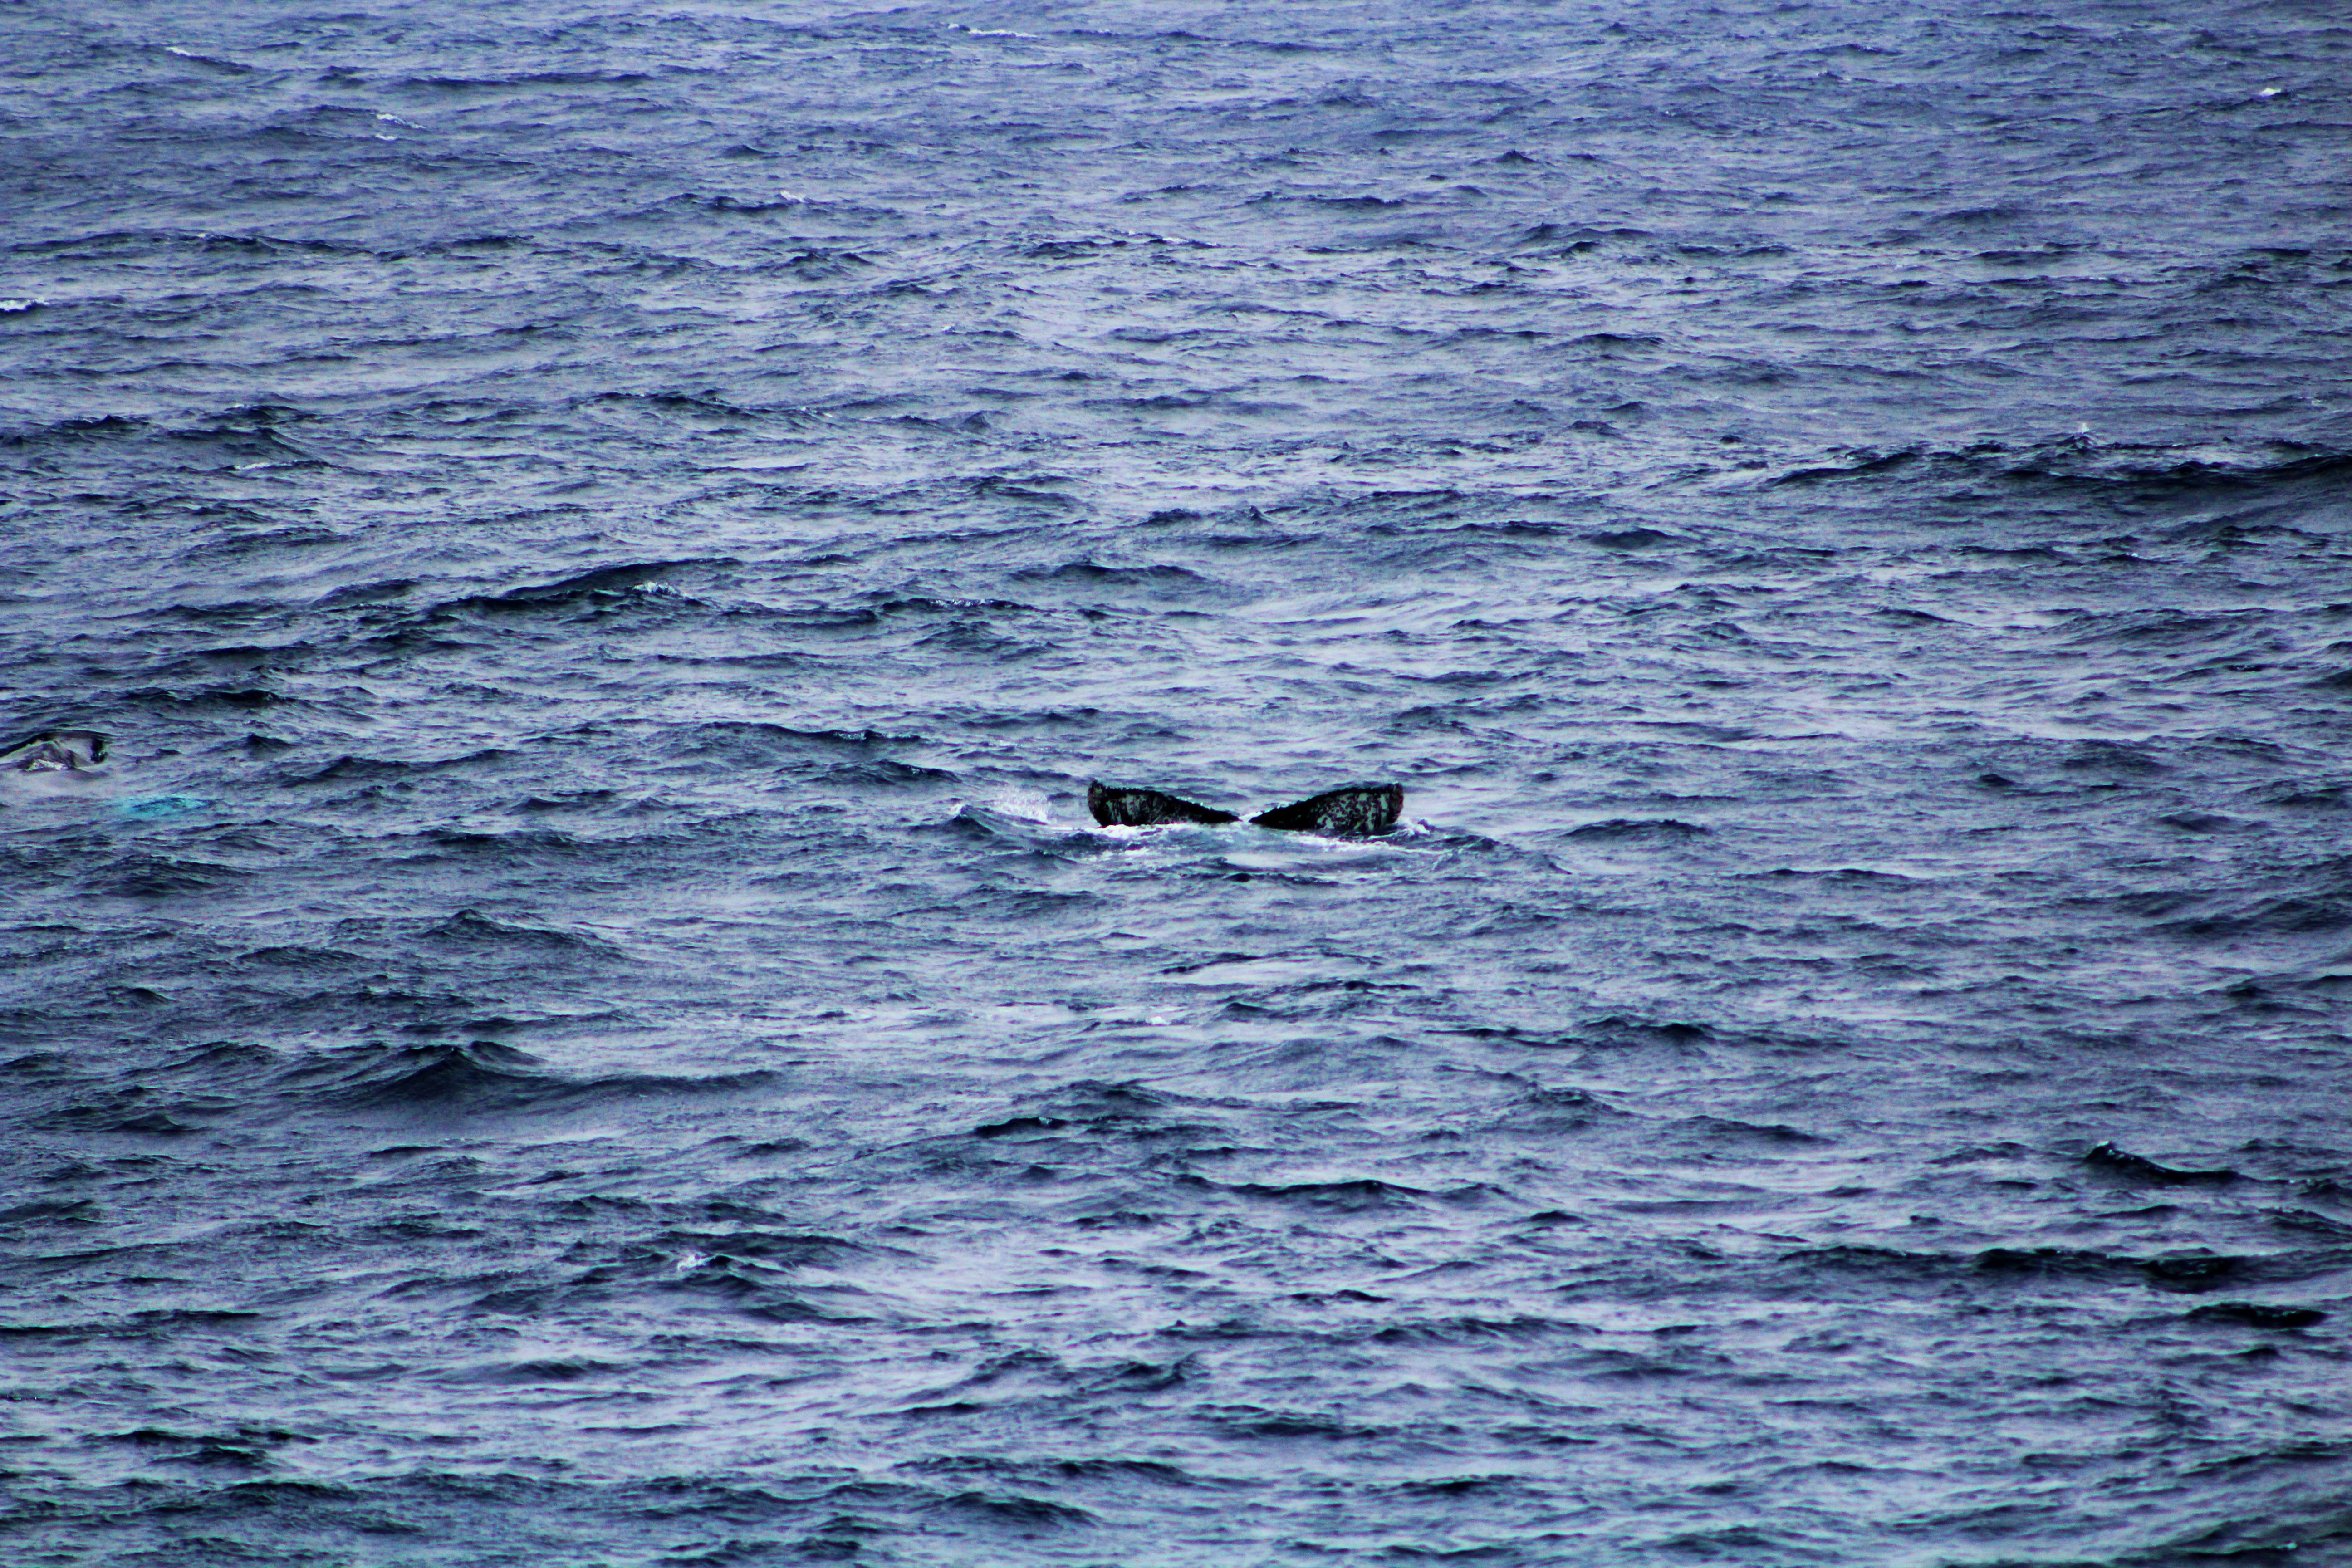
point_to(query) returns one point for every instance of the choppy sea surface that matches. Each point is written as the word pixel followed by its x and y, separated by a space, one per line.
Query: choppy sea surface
pixel 587 1022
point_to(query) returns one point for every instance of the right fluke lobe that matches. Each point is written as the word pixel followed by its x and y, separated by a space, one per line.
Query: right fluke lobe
pixel 1352 811
pixel 1117 805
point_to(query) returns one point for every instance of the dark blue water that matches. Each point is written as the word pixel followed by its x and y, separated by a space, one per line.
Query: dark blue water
pixel 586 1020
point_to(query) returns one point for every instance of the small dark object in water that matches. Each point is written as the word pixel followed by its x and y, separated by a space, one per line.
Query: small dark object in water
pixel 1117 805
pixel 56 751
pixel 1352 811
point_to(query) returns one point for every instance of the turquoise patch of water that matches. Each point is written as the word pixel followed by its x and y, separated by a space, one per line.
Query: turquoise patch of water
pixel 157 805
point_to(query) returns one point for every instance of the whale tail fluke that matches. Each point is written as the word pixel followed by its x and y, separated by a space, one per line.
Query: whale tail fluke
pixel 56 751
pixel 1117 805
pixel 1352 811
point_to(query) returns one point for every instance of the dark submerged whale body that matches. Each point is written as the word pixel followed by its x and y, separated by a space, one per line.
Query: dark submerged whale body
pixel 1352 811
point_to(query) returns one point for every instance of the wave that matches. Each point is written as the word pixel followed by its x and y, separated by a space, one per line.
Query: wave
pixel 1360 1194
pixel 1181 578
pixel 523 79
pixel 354 769
pixel 1655 828
pixel 2121 473
pixel 480 1077
pixel 2116 1162
pixel 80 427
pixel 603 585
pixel 470 928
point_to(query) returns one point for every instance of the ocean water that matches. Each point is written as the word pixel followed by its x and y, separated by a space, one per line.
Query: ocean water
pixel 585 1021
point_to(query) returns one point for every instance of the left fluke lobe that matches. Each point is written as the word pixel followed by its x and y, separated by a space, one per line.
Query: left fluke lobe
pixel 1116 806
